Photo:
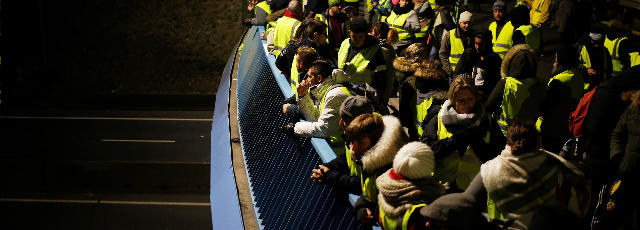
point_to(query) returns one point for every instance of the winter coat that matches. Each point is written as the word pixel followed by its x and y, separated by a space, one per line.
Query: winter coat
pixel 379 158
pixel 625 139
pixel 339 175
pixel 605 110
pixel 380 78
pixel 323 124
pixel 445 47
pixel 470 61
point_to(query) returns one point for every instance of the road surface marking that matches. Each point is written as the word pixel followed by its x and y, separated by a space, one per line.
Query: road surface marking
pixel 107 202
pixel 108 118
pixel 145 141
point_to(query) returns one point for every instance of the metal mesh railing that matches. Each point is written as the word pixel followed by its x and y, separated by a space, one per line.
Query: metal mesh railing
pixel 283 195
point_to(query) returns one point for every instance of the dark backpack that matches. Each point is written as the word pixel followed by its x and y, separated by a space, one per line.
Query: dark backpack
pixel 579 116
pixel 367 91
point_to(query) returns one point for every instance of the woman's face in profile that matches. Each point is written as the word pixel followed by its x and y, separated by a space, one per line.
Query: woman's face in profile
pixel 465 101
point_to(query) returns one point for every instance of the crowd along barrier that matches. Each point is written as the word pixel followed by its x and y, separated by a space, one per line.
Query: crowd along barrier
pixel 283 195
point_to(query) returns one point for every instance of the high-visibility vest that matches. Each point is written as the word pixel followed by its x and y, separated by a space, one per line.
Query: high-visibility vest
pixel 537 12
pixel 397 22
pixel 453 167
pixel 521 100
pixel 294 79
pixel 351 0
pixel 285 29
pixel 501 42
pixel 492 209
pixel 614 50
pixel 556 123
pixel 354 169
pixel 457 48
pixel 265 6
pixel 432 3
pixel 585 62
pixel 635 59
pixel 357 67
pixel 336 142
pixel 532 36
pixel 423 104
pixel 368 185
pixel 401 222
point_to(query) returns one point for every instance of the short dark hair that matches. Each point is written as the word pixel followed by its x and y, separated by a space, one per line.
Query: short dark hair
pixel 320 67
pixel 380 28
pixel 366 125
pixel 358 25
pixel 316 26
pixel 307 55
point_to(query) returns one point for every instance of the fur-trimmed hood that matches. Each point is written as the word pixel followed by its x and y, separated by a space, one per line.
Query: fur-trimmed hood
pixel 430 72
pixel 382 153
pixel 506 62
pixel 402 64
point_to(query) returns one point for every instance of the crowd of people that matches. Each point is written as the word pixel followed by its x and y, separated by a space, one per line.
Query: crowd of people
pixel 479 140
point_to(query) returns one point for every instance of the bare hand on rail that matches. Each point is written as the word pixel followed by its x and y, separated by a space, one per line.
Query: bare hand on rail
pixel 318 174
pixel 284 108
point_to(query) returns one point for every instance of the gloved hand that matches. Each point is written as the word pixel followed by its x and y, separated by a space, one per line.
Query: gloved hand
pixel 288 129
pixel 247 22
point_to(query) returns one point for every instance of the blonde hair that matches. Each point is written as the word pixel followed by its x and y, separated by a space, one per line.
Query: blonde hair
pixel 461 83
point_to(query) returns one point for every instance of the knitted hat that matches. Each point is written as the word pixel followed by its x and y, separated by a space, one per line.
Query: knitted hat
pixel 568 57
pixel 414 51
pixel 499 5
pixel 414 160
pixel 355 106
pixel 465 16
pixel 454 210
pixel 334 2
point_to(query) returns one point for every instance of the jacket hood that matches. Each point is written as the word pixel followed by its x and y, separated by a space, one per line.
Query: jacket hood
pixel 506 62
pixel 617 29
pixel 430 71
pixel 402 64
pixel 625 81
pixel 275 15
pixel 382 153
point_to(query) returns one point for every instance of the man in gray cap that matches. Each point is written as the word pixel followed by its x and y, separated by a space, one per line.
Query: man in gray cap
pixel 501 29
pixel 336 173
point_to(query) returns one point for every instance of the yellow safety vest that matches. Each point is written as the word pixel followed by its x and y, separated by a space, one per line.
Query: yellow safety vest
pixel 521 100
pixel 453 167
pixel 532 36
pixel 432 3
pixel 585 62
pixel 265 6
pixel 336 142
pixel 614 50
pixel 635 58
pixel 501 42
pixel 556 122
pixel 457 48
pixel 388 223
pixel 537 13
pixel 423 104
pixel 368 185
pixel 357 67
pixel 397 22
pixel 492 210
pixel 285 29
pixel 354 169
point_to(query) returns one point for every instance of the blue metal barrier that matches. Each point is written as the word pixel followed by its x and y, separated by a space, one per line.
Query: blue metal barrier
pixel 284 197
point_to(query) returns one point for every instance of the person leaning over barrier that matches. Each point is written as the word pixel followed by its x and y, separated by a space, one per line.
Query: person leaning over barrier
pixel 407 188
pixel 462 135
pixel 343 172
pixel 374 141
pixel 303 60
pixel 323 114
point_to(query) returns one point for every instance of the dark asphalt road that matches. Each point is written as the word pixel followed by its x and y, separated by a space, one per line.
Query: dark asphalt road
pixel 147 169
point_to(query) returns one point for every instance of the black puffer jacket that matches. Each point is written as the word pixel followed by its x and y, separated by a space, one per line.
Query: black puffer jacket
pixel 605 110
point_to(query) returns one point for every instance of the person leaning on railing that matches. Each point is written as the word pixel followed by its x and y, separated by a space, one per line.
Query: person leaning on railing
pixel 323 111
pixel 343 173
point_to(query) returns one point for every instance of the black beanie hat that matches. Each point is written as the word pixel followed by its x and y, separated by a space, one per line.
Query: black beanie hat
pixel 568 57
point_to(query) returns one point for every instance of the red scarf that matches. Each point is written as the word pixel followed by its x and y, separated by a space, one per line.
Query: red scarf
pixel 395 176
pixel 292 14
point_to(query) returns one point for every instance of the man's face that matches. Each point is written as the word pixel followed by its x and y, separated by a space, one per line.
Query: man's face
pixel 498 15
pixel 313 79
pixel 299 65
pixel 357 38
pixel 596 43
pixel 359 147
pixel 345 121
pixel 320 38
pixel 465 26
pixel 337 8
pixel 480 45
